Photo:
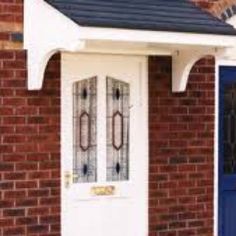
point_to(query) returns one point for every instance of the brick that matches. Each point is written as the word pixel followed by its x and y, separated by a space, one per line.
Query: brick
pixel 49 165
pixel 14 231
pixel 55 227
pixel 37 211
pixel 26 221
pixel 27 119
pixel 180 150
pixel 6 185
pixel 49 219
pixel 38 193
pixel 39 175
pixel 6 111
pixel 13 139
pixel 26 202
pixel 6 223
pixel 37 229
pixel 50 201
pixel 5 204
pixel 13 212
pixel 26 184
pixel 27 166
pixel 5 166
pixel 15 194
pixel 15 176
pixel 13 157
pixel 49 183
pixel 14 120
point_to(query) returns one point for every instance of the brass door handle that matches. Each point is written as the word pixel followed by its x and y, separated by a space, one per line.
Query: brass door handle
pixel 68 178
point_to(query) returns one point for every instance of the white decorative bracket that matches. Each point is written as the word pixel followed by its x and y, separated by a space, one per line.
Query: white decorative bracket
pixel 43 38
pixel 182 63
pixel 47 31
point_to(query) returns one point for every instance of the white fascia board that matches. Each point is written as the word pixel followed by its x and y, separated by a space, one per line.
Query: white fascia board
pixel 157 37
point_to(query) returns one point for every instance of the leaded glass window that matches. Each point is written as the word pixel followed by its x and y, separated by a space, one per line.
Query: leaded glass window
pixel 85 130
pixel 118 96
pixel 230 129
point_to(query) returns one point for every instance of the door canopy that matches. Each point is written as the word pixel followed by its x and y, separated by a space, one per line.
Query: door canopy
pixel 177 29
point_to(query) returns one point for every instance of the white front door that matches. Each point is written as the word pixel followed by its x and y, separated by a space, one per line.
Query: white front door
pixel 104 145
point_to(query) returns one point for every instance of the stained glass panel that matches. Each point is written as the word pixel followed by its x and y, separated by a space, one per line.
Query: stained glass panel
pixel 230 129
pixel 118 95
pixel 85 130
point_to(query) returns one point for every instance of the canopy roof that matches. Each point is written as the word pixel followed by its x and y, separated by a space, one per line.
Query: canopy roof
pixel 156 15
pixel 132 27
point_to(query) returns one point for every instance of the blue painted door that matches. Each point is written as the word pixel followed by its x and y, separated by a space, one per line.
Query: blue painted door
pixel 227 152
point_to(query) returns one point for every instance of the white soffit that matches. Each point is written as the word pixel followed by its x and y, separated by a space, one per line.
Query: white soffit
pixel 47 31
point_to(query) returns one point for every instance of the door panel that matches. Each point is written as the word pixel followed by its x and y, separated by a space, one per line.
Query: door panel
pixel 229 202
pixel 227 152
pixel 104 162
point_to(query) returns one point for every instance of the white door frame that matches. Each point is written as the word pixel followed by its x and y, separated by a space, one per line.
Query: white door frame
pixel 218 64
pixel 65 136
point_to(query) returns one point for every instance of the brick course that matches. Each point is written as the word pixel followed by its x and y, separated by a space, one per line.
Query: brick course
pixel 11 23
pixel 29 149
pixel 181 151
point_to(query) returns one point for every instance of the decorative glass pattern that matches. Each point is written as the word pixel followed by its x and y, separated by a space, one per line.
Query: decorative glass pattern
pixel 118 116
pixel 85 130
pixel 230 129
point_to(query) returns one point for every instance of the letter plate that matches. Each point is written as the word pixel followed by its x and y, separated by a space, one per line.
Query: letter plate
pixel 103 190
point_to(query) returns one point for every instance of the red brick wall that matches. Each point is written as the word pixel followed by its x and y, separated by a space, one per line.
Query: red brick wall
pixel 11 11
pixel 181 146
pixel 216 7
pixel 181 151
pixel 11 22
pixel 29 149
pixel 204 4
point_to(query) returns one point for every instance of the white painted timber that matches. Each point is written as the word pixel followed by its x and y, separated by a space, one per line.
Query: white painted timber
pixel 55 32
pixel 46 32
pixel 126 211
pixel 182 63
pixel 157 37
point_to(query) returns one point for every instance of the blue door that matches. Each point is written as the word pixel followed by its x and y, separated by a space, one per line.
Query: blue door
pixel 227 152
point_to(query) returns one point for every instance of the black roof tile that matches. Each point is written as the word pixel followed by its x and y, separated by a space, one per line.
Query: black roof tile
pixel 157 15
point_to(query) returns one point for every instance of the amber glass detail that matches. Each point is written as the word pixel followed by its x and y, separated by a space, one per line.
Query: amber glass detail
pixel 84 123
pixel 117 130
